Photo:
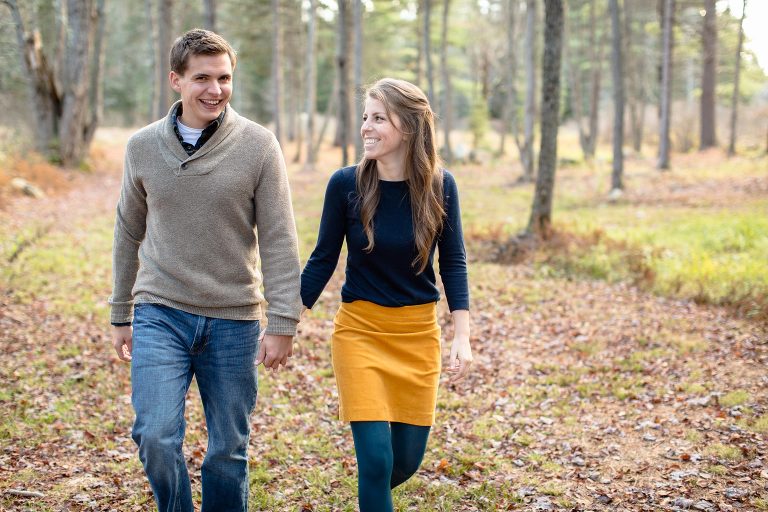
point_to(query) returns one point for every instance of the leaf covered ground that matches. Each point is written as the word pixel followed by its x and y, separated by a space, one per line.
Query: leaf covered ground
pixel 586 394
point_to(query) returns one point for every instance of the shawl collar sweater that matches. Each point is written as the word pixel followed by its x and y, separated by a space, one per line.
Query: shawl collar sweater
pixel 190 230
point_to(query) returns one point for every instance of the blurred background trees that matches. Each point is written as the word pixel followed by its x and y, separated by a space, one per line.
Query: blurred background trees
pixel 479 61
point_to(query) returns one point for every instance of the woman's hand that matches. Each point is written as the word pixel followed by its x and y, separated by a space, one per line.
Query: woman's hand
pixel 461 352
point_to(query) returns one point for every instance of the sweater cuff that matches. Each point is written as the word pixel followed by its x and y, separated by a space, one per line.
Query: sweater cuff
pixel 281 325
pixel 122 313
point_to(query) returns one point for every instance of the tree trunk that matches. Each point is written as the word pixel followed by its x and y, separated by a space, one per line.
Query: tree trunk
pixel 526 150
pixel 357 30
pixel 311 71
pixel 509 113
pixel 708 79
pixel 96 100
pixel 427 50
pixel 330 109
pixel 165 34
pixel 420 46
pixel 587 134
pixel 635 71
pixel 67 108
pixel 157 85
pixel 342 69
pixel 541 211
pixel 277 75
pixel 596 51
pixel 447 110
pixel 665 93
pixel 209 6
pixel 41 87
pixel 735 95
pixel 617 67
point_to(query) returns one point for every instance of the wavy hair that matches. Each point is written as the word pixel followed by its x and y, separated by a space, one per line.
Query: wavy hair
pixel 422 166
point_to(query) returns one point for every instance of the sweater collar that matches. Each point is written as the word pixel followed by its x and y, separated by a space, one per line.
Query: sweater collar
pixel 226 123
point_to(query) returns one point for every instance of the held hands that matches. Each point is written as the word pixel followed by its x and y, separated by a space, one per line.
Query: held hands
pixel 460 360
pixel 122 340
pixel 274 350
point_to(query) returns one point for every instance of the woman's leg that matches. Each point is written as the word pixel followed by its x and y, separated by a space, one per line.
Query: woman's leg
pixel 408 445
pixel 373 448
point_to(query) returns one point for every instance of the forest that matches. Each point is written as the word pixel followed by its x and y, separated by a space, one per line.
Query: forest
pixel 612 162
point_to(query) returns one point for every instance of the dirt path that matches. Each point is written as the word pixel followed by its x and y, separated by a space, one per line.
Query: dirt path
pixel 586 396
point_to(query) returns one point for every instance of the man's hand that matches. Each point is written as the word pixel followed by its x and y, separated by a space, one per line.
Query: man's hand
pixel 122 339
pixel 274 351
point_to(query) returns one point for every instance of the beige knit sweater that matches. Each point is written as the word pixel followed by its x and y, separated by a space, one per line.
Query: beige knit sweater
pixel 186 227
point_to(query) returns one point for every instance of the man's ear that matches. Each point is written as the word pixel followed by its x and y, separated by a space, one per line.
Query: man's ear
pixel 173 78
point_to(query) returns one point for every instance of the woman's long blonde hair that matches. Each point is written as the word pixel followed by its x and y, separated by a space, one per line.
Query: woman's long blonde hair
pixel 422 166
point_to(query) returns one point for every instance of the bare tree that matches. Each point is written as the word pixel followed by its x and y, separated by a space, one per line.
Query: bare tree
pixel 64 95
pixel 157 85
pixel 165 33
pixel 735 95
pixel 509 111
pixel 635 73
pixel 357 29
pixel 526 150
pixel 209 8
pixel 665 93
pixel 708 78
pixel 539 224
pixel 311 71
pixel 617 67
pixel 588 135
pixel 447 110
pixel 277 78
pixel 343 72
pixel 426 49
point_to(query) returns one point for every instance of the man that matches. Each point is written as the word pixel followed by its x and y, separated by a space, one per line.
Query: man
pixel 204 196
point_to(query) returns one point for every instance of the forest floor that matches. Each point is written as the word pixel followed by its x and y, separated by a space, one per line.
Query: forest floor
pixel 585 394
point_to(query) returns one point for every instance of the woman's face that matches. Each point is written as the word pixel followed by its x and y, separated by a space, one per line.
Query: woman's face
pixel 382 138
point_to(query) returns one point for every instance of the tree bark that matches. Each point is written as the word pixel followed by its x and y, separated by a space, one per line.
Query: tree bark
pixel 41 87
pixel 209 6
pixel 541 211
pixel 509 112
pixel 526 150
pixel 67 108
pixel 708 137
pixel 737 74
pixel 665 93
pixel 617 66
pixel 277 78
pixel 342 68
pixel 165 34
pixel 357 30
pixel 96 100
pixel 635 72
pixel 447 110
pixel 311 71
pixel 427 50
pixel 157 85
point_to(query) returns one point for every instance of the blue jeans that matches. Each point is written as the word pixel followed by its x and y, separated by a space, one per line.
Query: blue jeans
pixel 169 347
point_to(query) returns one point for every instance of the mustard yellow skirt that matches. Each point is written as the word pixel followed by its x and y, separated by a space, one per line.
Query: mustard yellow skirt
pixel 387 362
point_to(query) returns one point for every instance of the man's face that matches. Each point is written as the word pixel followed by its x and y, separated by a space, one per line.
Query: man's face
pixel 205 88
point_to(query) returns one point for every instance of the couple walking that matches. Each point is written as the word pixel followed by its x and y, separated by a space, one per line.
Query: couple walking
pixel 204 197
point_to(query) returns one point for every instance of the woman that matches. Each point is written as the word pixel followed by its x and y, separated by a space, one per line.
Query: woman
pixel 394 208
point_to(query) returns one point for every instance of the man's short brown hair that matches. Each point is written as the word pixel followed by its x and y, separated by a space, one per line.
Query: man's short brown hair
pixel 198 42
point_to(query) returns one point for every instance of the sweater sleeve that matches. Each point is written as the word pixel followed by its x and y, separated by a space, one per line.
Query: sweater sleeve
pixel 325 256
pixel 278 244
pixel 130 225
pixel 452 256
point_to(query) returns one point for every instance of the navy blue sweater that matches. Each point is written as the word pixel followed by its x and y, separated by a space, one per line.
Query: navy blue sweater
pixel 385 276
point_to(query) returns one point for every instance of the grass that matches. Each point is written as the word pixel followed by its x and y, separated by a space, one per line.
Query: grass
pixel 581 380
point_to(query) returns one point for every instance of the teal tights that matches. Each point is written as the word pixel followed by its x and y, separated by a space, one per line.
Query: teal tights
pixel 387 455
